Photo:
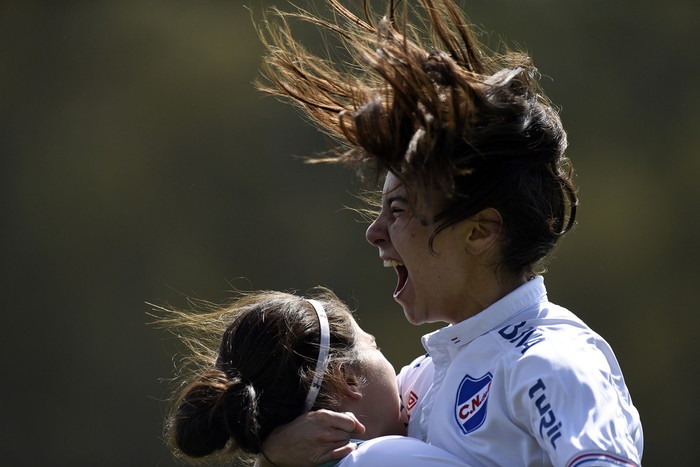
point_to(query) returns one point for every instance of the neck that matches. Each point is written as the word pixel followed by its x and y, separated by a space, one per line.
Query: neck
pixel 485 290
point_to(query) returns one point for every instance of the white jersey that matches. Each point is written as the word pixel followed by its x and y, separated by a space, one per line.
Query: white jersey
pixel 524 382
pixel 399 451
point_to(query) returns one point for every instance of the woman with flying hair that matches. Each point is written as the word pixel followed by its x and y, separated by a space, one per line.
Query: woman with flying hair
pixel 477 193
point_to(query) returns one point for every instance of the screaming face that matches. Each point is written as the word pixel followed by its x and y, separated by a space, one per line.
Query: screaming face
pixel 431 282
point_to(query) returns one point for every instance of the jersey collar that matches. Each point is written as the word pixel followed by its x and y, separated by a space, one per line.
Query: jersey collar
pixel 529 294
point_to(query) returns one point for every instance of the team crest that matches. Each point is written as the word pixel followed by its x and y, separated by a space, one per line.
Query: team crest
pixel 471 402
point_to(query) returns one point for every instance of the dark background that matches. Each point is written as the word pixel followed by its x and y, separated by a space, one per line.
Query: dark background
pixel 140 165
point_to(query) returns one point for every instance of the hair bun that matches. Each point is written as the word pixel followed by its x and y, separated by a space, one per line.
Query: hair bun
pixel 240 409
pixel 198 425
pixel 217 408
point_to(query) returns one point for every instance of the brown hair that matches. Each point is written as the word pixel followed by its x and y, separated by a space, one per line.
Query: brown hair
pixel 449 118
pixel 250 368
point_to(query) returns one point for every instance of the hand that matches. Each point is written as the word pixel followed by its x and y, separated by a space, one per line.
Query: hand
pixel 312 439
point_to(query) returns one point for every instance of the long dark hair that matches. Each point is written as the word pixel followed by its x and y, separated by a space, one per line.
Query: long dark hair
pixel 249 368
pixel 459 125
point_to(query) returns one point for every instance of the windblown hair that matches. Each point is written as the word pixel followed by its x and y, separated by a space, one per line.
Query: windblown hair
pixel 249 369
pixel 459 125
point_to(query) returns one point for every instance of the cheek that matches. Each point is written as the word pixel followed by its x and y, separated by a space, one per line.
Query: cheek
pixel 410 241
pixel 386 374
pixel 377 366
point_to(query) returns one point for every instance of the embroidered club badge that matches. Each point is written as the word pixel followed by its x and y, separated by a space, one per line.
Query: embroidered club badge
pixel 471 402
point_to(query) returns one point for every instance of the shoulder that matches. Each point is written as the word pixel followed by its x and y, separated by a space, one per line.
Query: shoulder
pixel 399 451
pixel 420 367
pixel 551 334
pixel 558 352
pixel 558 375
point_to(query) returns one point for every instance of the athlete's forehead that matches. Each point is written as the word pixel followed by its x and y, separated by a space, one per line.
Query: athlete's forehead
pixel 391 182
pixel 393 189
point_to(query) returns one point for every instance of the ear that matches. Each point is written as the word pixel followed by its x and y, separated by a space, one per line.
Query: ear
pixel 484 231
pixel 352 380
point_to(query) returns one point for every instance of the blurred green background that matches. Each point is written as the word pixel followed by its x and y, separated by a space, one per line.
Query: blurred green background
pixel 140 165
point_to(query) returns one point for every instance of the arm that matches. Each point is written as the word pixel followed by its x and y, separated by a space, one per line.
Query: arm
pixel 311 439
pixel 400 451
pixel 577 407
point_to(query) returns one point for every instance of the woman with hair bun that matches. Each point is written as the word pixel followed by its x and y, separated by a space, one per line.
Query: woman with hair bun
pixel 272 356
pixel 477 192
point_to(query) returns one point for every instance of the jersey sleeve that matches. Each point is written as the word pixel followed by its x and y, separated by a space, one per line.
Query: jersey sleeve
pixel 409 373
pixel 399 451
pixel 413 382
pixel 570 399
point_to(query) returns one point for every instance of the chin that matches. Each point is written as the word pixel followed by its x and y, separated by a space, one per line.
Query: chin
pixel 412 320
pixel 418 317
pixel 412 317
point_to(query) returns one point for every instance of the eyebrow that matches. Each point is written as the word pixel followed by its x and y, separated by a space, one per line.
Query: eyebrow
pixel 391 199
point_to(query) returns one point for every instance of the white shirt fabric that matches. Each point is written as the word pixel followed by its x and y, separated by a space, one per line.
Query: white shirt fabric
pixel 524 382
pixel 399 451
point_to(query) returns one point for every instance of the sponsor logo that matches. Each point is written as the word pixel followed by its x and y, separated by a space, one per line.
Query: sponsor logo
pixel 522 338
pixel 549 425
pixel 472 400
pixel 412 400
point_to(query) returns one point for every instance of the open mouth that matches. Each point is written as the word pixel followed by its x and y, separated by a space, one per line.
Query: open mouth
pixel 402 274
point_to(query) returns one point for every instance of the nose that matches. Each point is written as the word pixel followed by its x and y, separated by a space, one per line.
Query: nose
pixel 376 232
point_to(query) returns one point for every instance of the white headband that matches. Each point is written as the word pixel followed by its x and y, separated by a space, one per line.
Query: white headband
pixel 324 348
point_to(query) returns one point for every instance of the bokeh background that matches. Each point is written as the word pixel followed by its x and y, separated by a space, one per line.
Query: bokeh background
pixel 139 164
